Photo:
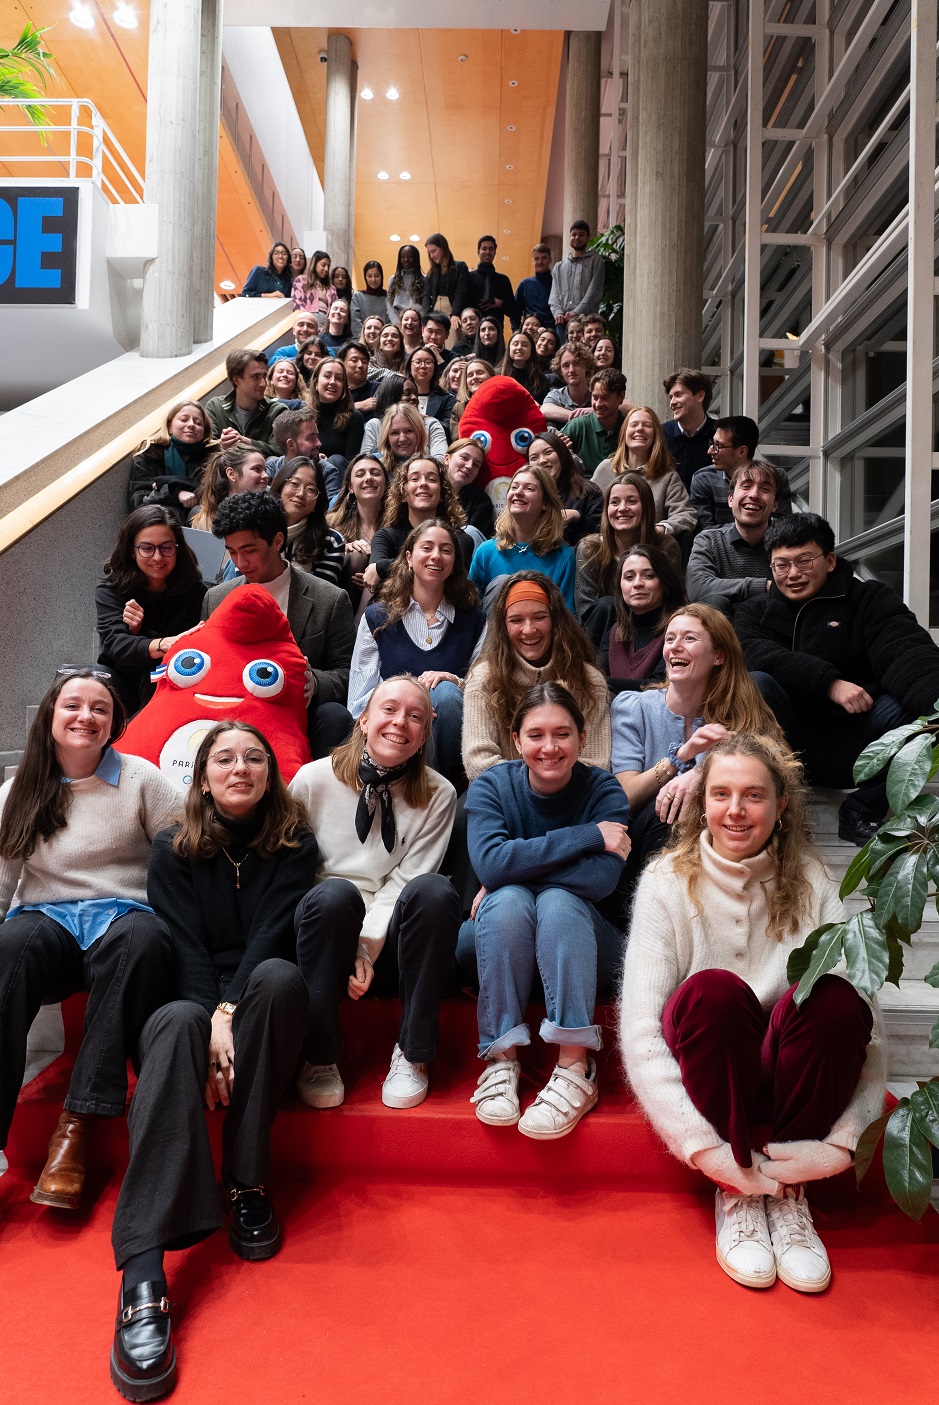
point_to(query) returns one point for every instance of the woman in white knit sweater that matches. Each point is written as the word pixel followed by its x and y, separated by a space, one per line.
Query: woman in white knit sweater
pixel 75 830
pixel 713 1042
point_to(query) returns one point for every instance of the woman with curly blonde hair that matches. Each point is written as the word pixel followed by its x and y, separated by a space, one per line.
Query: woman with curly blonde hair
pixel 713 1042
pixel 420 491
pixel 529 532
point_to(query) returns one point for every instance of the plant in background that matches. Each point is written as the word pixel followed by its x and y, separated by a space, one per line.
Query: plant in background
pixel 610 245
pixel 29 60
pixel 895 868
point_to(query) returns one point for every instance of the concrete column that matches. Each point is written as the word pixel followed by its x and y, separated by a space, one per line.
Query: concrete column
pixel 663 285
pixel 172 174
pixel 353 133
pixel 210 87
pixel 582 130
pixel 336 174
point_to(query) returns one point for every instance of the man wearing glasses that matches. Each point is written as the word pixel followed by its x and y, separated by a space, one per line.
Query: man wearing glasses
pixel 840 661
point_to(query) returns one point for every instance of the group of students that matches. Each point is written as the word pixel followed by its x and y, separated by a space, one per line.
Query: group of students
pixel 539 771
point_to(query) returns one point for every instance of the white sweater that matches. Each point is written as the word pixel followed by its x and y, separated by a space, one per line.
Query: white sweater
pixel 669 941
pixel 422 838
pixel 104 849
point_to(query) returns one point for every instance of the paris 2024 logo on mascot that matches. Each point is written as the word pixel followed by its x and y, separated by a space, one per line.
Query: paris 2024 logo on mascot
pixel 242 663
pixel 505 419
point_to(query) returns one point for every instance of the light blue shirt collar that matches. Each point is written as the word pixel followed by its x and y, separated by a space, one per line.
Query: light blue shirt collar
pixel 108 768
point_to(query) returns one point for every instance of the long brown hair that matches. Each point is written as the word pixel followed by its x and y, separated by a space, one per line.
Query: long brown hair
pixel 344 516
pixel 731 697
pixel 396 498
pixel 202 834
pixel 673 591
pixel 344 406
pixel 121 570
pixel 216 484
pixel 660 460
pixel 38 803
pixel 549 532
pixel 418 783
pixel 401 409
pixel 398 587
pixel 571 652
pixel 789 894
pixel 599 553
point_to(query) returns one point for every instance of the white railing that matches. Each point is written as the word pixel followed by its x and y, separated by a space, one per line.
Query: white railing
pixel 80 146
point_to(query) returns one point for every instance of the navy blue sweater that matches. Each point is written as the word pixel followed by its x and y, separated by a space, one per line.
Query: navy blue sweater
pixel 544 841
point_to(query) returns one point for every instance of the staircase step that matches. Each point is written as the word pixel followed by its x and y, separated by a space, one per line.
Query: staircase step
pixel 909 1014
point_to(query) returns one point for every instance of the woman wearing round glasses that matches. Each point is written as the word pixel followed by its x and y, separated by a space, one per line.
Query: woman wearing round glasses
pixel 150 595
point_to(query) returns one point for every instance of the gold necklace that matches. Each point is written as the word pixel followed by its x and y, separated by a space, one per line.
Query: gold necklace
pixel 235 866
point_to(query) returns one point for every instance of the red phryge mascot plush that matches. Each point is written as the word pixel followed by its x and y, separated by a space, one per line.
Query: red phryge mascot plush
pixel 243 663
pixel 504 418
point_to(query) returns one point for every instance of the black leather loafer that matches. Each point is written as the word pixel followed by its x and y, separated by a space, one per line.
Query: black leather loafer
pixel 255 1231
pixel 143 1358
pixel 856 827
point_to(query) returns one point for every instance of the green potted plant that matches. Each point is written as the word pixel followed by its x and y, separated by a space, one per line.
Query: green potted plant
pixel 610 244
pixel 893 872
pixel 20 66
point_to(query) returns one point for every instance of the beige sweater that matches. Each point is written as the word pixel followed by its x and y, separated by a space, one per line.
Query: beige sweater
pixel 104 849
pixel 485 741
pixel 669 941
pixel 672 503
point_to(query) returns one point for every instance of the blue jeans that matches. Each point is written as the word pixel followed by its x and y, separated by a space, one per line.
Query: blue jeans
pixel 575 949
pixel 447 732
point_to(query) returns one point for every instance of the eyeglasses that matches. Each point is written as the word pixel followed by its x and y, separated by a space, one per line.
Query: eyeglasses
pixel 306 490
pixel 800 563
pixel 225 760
pixel 147 549
pixel 101 674
pixel 713 444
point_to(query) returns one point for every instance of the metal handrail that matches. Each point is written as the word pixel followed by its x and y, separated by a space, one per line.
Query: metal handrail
pixel 81 165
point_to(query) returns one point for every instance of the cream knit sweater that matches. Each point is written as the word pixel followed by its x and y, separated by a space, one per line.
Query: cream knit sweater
pixel 485 742
pixel 104 849
pixel 669 941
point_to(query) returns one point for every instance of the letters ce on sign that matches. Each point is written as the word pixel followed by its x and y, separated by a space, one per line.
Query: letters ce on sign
pixel 38 243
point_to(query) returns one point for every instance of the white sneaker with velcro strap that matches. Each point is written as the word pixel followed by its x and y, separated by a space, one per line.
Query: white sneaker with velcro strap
pixel 567 1096
pixel 744 1250
pixel 496 1095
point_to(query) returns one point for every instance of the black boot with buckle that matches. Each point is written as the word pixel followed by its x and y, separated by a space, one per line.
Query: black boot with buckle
pixel 255 1231
pixel 143 1358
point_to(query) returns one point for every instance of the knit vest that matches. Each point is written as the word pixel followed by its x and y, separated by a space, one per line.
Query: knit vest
pixel 399 654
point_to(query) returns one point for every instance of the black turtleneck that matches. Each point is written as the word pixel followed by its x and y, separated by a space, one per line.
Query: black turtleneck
pixel 222 932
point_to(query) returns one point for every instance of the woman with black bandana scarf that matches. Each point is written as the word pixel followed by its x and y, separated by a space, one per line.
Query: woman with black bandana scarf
pixel 380 916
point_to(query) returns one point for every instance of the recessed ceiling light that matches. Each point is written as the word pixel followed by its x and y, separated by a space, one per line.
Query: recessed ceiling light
pixel 513 82
pixel 510 168
pixel 506 202
pixel 506 231
pixel 414 238
pixel 463 58
pixel 382 175
pixel 395 238
pixel 82 16
pixel 510 127
pixel 505 258
pixel 367 94
pixel 227 286
pixel 392 94
pixel 125 16
pixel 405 175
pixel 515 31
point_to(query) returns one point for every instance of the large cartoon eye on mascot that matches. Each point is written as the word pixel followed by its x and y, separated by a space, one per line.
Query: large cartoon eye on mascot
pixel 505 419
pixel 243 663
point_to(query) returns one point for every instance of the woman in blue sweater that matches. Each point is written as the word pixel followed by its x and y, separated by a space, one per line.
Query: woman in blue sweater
pixel 427 623
pixel 548 840
pixel 273 281
pixel 529 534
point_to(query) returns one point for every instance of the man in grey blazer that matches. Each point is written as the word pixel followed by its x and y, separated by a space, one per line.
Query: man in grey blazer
pixel 254 529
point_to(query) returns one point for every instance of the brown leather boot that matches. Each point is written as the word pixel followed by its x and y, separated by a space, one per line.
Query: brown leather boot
pixel 63 1176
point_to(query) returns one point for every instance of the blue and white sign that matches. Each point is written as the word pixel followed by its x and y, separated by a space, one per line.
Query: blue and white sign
pixel 38 244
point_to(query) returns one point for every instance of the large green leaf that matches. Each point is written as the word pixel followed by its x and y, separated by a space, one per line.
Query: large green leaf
pixel 867 1145
pixel 884 849
pixel 875 757
pixel 907 1161
pixel 902 892
pixel 800 958
pixel 909 772
pixel 857 870
pixel 895 962
pixel 932 977
pixel 924 808
pixel 826 954
pixel 925 1105
pixel 865 948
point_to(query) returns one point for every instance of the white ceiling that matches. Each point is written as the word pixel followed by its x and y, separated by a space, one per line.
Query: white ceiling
pixel 421 14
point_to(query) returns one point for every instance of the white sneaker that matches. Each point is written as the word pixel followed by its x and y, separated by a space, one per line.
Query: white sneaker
pixel 744 1250
pixel 406 1084
pixel 567 1096
pixel 801 1257
pixel 320 1085
pixel 496 1095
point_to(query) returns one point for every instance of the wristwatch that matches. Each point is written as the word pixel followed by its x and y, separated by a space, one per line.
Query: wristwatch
pixel 226 1007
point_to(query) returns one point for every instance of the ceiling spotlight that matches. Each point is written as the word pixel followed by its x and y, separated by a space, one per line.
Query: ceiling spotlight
pixel 125 16
pixel 507 202
pixel 228 286
pixel 513 82
pixel 405 175
pixel 414 238
pixel 367 94
pixel 395 238
pixel 462 58
pixel 82 16
pixel 506 231
pixel 510 168
pixel 382 175
pixel 392 94
pixel 515 31
pixel 505 258
pixel 510 127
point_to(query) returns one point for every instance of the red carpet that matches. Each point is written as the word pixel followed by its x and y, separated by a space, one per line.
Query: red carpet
pixel 509 1274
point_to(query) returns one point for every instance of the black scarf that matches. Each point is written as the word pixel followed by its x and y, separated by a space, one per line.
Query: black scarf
pixel 377 782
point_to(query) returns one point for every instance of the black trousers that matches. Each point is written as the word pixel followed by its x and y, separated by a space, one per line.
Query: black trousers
pixel 328 725
pixel 169 1197
pixel 416 961
pixel 128 973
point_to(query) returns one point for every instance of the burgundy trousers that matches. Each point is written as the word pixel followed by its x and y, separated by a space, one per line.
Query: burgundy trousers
pixel 795 1069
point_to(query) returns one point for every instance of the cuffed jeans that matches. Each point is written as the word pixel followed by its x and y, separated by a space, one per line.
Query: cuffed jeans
pixel 575 950
pixel 169 1198
pixel 128 974
pixel 416 961
pixel 795 1068
pixel 447 732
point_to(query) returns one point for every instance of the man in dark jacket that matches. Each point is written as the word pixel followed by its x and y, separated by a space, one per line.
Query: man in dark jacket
pixel 840 661
pixel 490 291
pixel 244 416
